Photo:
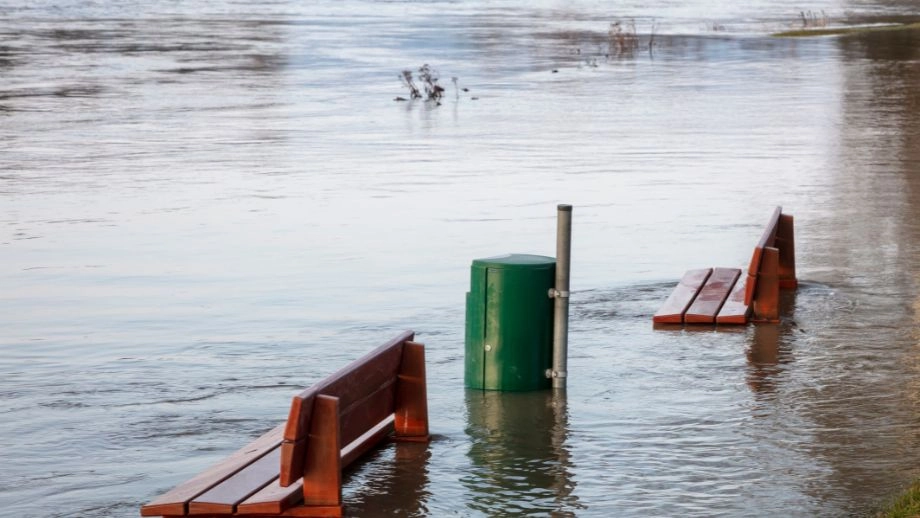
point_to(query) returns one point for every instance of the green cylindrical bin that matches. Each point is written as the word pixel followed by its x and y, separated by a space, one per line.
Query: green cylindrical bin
pixel 509 323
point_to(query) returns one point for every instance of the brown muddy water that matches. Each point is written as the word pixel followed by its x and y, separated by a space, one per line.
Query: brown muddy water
pixel 206 206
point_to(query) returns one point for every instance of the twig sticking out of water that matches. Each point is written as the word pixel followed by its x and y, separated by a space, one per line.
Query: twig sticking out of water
pixel 429 77
pixel 406 78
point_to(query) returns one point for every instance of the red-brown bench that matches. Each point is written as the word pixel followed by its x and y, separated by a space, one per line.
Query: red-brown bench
pixel 295 469
pixel 725 296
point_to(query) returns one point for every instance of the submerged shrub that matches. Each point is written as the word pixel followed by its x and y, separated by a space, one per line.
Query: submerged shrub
pixel 429 80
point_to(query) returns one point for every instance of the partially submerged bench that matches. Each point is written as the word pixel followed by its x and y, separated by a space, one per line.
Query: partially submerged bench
pixel 295 469
pixel 725 296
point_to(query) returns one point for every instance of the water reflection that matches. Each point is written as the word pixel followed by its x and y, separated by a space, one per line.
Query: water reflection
pixel 521 463
pixel 770 347
pixel 764 358
pixel 394 484
pixel 854 392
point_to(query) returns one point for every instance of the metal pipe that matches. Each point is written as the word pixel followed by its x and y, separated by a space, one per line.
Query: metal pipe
pixel 561 296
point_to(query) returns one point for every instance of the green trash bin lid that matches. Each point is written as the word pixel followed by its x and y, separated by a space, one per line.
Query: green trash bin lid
pixel 525 261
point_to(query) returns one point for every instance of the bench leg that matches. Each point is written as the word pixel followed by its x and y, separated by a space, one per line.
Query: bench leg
pixel 322 478
pixel 785 242
pixel 766 295
pixel 411 422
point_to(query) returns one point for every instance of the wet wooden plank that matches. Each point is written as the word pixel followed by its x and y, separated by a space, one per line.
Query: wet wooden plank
pixel 322 477
pixel 175 501
pixel 766 239
pixel 373 370
pixel 272 499
pixel 365 376
pixel 368 440
pixel 317 511
pixel 365 414
pixel 275 499
pixel 735 311
pixel 769 232
pixel 223 498
pixel 298 420
pixel 293 454
pixel 352 384
pixel 412 395
pixel 712 295
pixel 294 447
pixel 785 243
pixel 765 306
pixel 672 312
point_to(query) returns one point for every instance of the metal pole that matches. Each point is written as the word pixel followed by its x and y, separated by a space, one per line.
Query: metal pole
pixel 561 295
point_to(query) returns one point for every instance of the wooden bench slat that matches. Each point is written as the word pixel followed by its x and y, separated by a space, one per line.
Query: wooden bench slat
pixel 315 511
pixel 222 498
pixel 299 416
pixel 766 239
pixel 272 499
pixel 322 477
pixel 354 450
pixel 175 502
pixel 769 232
pixel 712 295
pixel 785 242
pixel 373 369
pixel 765 306
pixel 364 378
pixel 735 311
pixel 412 395
pixel 368 412
pixel 672 312
pixel 293 454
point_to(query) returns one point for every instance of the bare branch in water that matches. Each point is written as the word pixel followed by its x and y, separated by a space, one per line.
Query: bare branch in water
pixel 406 78
pixel 429 78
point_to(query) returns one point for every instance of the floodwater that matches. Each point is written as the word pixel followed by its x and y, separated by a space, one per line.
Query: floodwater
pixel 206 206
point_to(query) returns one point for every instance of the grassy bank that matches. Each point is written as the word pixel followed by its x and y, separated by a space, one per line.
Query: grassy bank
pixel 907 505
pixel 838 31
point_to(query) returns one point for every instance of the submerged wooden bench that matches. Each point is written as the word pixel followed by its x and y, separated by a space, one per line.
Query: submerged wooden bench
pixel 295 469
pixel 725 296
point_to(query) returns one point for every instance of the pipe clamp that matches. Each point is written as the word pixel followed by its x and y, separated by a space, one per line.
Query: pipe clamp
pixel 556 294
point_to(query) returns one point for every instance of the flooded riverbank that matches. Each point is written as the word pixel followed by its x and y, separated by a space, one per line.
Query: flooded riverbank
pixel 206 207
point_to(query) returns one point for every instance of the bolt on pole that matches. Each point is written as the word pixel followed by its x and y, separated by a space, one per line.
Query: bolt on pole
pixel 561 296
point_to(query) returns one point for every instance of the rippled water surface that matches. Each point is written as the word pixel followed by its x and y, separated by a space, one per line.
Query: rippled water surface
pixel 206 206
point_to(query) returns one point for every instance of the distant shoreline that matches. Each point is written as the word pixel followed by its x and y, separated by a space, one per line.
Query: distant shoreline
pixel 841 31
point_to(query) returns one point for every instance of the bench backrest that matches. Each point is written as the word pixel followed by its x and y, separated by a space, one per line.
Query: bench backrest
pixel 767 240
pixel 358 406
pixel 368 394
